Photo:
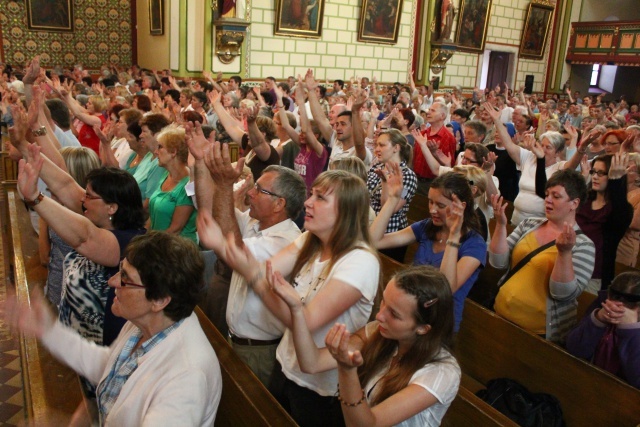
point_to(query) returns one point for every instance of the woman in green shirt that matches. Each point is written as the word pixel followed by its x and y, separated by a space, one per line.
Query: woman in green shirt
pixel 170 209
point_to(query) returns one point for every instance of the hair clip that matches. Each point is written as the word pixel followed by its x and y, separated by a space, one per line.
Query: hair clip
pixel 429 303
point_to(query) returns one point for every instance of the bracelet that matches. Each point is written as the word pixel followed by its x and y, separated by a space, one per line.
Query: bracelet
pixel 352 405
pixel 41 131
pixel 454 244
pixel 32 203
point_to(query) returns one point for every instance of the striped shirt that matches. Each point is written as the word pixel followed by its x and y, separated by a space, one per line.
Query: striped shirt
pixel 562 297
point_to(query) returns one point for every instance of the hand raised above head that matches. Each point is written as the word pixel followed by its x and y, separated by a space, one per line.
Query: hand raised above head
pixel 499 209
pixel 218 162
pixel 455 216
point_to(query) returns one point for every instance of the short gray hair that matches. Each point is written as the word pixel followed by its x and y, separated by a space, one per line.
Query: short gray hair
pixel 290 186
pixel 555 138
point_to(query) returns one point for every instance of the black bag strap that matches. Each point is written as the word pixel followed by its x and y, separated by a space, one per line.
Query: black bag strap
pixel 528 258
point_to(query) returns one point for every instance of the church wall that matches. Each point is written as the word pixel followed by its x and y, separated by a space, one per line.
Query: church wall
pixel 506 22
pixel 336 55
pixel 102 34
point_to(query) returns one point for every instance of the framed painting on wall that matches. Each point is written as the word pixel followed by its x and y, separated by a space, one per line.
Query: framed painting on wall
pixel 536 30
pixel 473 22
pixel 50 15
pixel 380 21
pixel 299 18
pixel 156 17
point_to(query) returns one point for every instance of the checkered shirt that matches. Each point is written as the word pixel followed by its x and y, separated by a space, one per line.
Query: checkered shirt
pixel 398 220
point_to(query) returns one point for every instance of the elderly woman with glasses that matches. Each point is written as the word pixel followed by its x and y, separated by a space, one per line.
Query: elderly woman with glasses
pixel 161 369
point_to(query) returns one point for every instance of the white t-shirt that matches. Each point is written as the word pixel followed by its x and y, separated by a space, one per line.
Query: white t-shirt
pixel 441 379
pixel 527 204
pixel 122 151
pixel 338 152
pixel 359 268
pixel 247 315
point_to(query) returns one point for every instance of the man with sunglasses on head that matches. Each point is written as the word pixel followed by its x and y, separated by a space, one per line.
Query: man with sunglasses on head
pixel 275 200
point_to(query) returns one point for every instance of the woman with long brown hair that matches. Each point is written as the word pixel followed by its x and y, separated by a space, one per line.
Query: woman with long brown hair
pixel 335 272
pixel 396 370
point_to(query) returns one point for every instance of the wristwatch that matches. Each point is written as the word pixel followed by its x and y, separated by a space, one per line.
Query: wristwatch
pixel 41 131
pixel 32 203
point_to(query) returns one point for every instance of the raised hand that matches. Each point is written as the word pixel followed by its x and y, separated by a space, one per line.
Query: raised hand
pixel 218 162
pixel 489 163
pixel 210 233
pixel 283 289
pixel 29 171
pixel 337 342
pixel 499 209
pixel 33 71
pixel 532 144
pixel 195 140
pixel 214 97
pixel 34 318
pixel 309 81
pixel 18 132
pixel 618 167
pixel 566 240
pixel 495 114
pixel 241 260
pixel 455 215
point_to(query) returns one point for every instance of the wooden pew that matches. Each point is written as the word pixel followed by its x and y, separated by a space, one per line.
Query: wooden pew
pixel 51 389
pixel 467 409
pixel 490 347
pixel 245 401
pixel 418 209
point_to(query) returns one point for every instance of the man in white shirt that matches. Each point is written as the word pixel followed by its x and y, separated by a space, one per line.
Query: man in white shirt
pixel 267 227
pixel 341 138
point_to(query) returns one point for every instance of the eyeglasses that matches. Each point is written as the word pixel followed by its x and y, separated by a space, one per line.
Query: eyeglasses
pixel 91 196
pixel 599 173
pixel 263 191
pixel 468 160
pixel 124 284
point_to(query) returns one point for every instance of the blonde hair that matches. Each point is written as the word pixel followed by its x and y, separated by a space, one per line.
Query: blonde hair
pixel 353 165
pixel 99 104
pixel 80 161
pixel 475 176
pixel 172 137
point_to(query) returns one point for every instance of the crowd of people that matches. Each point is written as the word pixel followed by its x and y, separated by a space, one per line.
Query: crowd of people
pixel 142 214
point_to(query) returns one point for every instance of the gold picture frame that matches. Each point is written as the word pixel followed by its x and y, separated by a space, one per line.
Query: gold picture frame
pixel 50 15
pixel 473 23
pixel 296 18
pixel 536 30
pixel 156 17
pixel 380 21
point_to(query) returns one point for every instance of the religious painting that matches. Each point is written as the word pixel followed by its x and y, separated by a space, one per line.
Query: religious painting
pixel 50 15
pixel 380 21
pixel 473 22
pixel 299 18
pixel 156 17
pixel 536 30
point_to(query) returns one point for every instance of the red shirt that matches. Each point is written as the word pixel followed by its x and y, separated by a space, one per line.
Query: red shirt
pixel 88 137
pixel 447 143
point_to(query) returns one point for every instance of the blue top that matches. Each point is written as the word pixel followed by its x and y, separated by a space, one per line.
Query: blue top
pixel 473 245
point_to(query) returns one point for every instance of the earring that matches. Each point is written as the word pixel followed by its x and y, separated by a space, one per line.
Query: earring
pixel 110 218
